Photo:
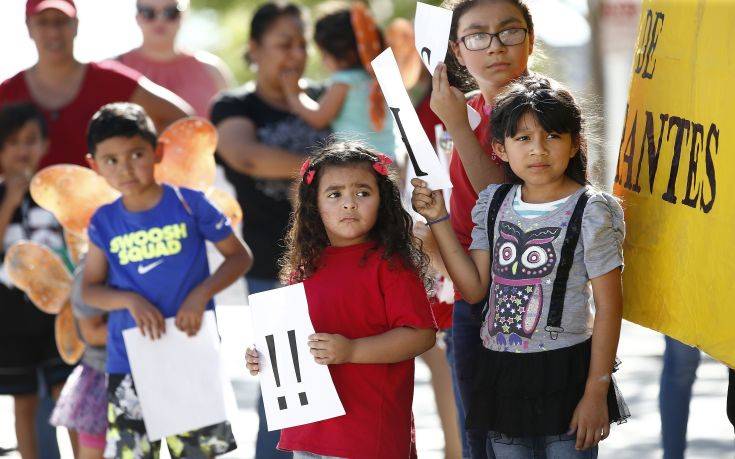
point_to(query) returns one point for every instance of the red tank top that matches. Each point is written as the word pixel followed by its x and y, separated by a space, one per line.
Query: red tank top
pixel 186 76
pixel 103 83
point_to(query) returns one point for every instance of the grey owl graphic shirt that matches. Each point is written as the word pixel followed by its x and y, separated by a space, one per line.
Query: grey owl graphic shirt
pixel 526 254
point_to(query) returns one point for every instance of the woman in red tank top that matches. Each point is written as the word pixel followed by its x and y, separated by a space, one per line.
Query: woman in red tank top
pixel 196 77
pixel 69 92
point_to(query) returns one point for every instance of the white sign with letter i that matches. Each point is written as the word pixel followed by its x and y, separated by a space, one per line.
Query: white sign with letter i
pixel 421 153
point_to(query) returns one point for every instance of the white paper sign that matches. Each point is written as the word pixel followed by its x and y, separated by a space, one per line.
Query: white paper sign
pixel 422 156
pixel 443 150
pixel 296 390
pixel 444 146
pixel 431 26
pixel 473 117
pixel 179 379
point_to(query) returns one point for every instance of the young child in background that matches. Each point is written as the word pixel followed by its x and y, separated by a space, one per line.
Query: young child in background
pixel 27 337
pixel 82 405
pixel 352 104
pixel 543 384
pixel 364 274
pixel 147 261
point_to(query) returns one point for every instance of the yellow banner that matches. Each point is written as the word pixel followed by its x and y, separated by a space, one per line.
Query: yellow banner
pixel 676 174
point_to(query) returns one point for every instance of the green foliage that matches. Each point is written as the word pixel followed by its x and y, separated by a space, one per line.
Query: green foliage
pixel 234 21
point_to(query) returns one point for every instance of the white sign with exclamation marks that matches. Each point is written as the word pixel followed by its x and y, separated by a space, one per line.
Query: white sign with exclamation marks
pixel 296 390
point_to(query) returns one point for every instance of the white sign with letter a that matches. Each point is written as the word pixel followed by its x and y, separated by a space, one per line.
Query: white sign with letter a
pixel 296 390
pixel 424 161
pixel 432 25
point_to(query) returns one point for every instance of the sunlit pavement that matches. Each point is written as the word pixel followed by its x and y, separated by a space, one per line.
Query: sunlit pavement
pixel 709 433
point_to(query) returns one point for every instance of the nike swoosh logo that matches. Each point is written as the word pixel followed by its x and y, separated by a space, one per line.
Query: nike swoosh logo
pixel 143 269
pixel 221 223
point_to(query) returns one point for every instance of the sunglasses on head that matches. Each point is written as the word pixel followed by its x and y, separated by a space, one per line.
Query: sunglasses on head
pixel 169 13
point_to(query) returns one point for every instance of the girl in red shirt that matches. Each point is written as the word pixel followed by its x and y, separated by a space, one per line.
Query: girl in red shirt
pixel 364 273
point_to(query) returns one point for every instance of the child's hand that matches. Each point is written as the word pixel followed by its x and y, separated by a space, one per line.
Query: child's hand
pixel 147 317
pixel 330 349
pixel 290 82
pixel 189 317
pixel 590 420
pixel 252 360
pixel 429 204
pixel 448 102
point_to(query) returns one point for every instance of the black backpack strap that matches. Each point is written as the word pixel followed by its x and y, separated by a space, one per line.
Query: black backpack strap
pixel 574 229
pixel 492 215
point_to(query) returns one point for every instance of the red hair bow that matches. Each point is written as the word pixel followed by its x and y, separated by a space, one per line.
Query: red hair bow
pixel 306 168
pixel 381 165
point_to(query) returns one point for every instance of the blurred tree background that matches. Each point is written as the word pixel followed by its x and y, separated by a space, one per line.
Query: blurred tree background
pixel 233 18
pixel 569 46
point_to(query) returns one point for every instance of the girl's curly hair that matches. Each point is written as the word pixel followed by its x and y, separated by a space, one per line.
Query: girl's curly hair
pixel 307 237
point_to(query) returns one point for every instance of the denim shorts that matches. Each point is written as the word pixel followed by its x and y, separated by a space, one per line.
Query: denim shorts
pixel 546 447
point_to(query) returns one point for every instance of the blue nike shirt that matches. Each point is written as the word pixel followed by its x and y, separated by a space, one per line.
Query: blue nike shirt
pixel 159 254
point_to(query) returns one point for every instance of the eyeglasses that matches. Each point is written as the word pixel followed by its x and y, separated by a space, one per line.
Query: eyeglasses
pixel 483 40
pixel 169 13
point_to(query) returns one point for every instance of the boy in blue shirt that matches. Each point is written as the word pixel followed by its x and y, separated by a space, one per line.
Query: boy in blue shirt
pixel 147 261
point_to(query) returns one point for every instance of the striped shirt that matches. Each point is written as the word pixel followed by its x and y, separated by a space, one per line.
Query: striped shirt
pixel 529 210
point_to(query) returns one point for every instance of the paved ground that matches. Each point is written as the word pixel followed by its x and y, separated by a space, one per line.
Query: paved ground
pixel 709 434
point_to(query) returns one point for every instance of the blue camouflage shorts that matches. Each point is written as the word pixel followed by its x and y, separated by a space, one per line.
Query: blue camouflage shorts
pixel 127 438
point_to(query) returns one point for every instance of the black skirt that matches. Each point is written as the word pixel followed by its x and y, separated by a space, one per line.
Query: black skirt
pixel 534 394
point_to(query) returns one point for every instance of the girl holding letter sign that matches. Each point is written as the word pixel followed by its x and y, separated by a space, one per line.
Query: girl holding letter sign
pixel 365 277
pixel 491 42
pixel 543 382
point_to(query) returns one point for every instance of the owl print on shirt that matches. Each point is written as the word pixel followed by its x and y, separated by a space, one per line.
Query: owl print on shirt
pixel 521 262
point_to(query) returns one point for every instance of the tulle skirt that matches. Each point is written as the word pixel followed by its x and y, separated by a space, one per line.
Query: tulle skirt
pixel 536 393
pixel 82 405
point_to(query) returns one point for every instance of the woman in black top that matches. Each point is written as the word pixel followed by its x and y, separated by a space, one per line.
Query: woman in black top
pixel 262 145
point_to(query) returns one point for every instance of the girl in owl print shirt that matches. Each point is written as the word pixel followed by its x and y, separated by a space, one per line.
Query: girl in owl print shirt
pixel 544 380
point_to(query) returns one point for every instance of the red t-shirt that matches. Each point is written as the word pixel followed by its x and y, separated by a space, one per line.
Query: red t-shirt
pixel 358 297
pixel 463 195
pixel 103 83
pixel 442 313
pixel 428 118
